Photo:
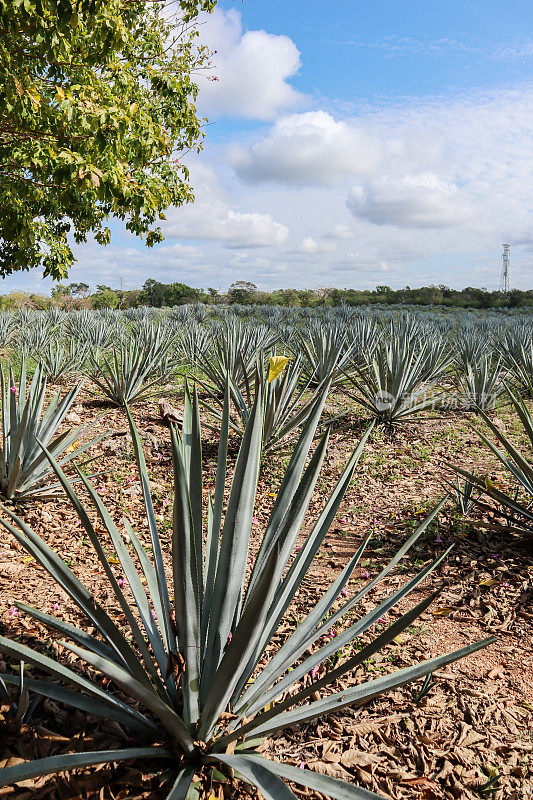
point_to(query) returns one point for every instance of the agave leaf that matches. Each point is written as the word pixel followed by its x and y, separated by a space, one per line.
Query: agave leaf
pixel 233 552
pixel 524 473
pixel 82 702
pixel 284 539
pixel 128 567
pixel 187 584
pixel 148 697
pixel 169 637
pixel 83 638
pixel 148 570
pixel 289 527
pixel 347 666
pixel 195 490
pixel 362 693
pixel 62 763
pixel 349 634
pixel 255 770
pixel 182 783
pixel 317 613
pixel 331 787
pixel 213 532
pixel 289 484
pixel 242 645
pixel 76 590
pixel 136 587
pixel 302 561
pixel 64 673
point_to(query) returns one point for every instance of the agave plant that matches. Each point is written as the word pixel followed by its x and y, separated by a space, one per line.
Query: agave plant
pixel 232 350
pixel 328 351
pixel 516 508
pixel 464 494
pixel 24 468
pixel 394 385
pixel 470 348
pixel 7 328
pixel 35 335
pixel 482 384
pixel 366 336
pixel 194 343
pixel 59 359
pixel 285 407
pixel 95 332
pixel 197 661
pixel 131 372
pixel 519 360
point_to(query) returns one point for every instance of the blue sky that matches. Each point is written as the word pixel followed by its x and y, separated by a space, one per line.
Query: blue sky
pixel 351 144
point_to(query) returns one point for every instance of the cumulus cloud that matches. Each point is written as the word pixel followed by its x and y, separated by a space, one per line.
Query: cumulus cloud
pixel 250 70
pixel 411 201
pixel 311 148
pixel 311 246
pixel 211 217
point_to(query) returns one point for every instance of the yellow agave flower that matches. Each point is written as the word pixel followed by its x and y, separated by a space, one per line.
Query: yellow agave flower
pixel 276 366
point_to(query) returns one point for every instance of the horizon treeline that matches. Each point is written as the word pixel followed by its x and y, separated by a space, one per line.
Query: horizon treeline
pixel 167 295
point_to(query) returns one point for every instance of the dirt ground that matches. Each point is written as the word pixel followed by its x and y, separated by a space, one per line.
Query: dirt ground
pixel 470 736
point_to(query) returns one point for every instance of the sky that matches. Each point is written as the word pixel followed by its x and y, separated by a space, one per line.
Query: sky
pixel 350 144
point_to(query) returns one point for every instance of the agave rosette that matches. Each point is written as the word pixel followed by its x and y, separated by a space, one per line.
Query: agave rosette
pixel 199 645
pixel 24 468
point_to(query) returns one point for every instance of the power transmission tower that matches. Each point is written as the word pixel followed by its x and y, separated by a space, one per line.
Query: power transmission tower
pixel 504 279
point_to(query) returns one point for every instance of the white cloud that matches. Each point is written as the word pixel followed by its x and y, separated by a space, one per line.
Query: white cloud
pixel 411 201
pixel 311 246
pixel 211 217
pixel 452 179
pixel 339 232
pixel 311 148
pixel 251 70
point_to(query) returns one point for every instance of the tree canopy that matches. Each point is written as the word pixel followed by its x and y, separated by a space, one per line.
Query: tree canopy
pixel 97 105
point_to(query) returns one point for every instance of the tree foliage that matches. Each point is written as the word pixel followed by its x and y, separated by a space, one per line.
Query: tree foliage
pixel 96 106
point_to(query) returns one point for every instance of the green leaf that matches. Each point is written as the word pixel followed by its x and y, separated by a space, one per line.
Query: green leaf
pixel 331 787
pixel 62 763
pixel 257 772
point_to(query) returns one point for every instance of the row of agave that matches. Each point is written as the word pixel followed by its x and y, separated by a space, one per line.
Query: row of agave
pixel 192 673
pixel 478 359
pixel 395 384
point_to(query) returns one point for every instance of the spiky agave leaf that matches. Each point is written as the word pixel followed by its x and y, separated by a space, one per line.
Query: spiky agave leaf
pixel 396 383
pixel 328 352
pixel 482 383
pixel 60 359
pixel 24 468
pixel 132 371
pixel 516 509
pixel 288 401
pixel 206 649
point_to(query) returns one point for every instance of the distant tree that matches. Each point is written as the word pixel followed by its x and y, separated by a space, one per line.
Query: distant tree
pixel 97 103
pixel 79 289
pixel 15 300
pixel 177 294
pixel 130 298
pixel 153 293
pixel 242 292
pixel 40 301
pixel 60 290
pixel 105 297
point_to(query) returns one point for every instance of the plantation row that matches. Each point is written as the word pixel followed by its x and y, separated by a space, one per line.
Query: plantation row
pixel 195 671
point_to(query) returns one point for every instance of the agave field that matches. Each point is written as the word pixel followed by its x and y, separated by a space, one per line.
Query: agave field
pixel 266 552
